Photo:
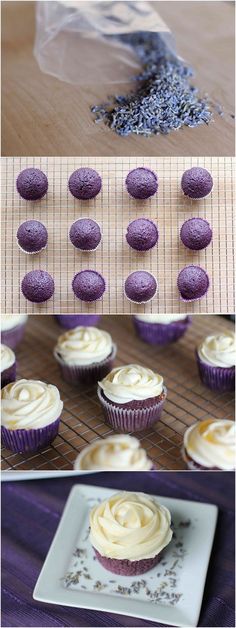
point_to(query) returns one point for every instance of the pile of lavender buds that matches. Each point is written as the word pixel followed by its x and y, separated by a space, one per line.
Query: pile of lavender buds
pixel 163 99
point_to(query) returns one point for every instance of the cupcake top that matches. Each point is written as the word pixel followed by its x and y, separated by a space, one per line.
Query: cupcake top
pixel 212 443
pixel 7 358
pixel 161 319
pixel 131 382
pixel 219 350
pixel 119 452
pixel 9 321
pixel 130 526
pixel 84 345
pixel 30 404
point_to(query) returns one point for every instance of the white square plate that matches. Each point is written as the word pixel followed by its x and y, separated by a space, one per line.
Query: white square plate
pixel 171 593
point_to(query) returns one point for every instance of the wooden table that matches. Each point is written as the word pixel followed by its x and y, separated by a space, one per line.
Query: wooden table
pixel 44 116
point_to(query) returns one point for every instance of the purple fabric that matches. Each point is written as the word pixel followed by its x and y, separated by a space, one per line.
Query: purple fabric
pixel 30 515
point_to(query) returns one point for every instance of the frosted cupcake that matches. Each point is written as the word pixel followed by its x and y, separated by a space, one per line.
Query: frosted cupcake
pixel 216 357
pixel 160 329
pixel 30 415
pixel 8 366
pixel 128 532
pixel 85 354
pixel 12 329
pixel 132 397
pixel 119 452
pixel 210 444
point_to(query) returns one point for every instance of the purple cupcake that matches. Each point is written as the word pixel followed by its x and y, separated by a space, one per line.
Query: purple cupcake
pixel 8 366
pixel 85 183
pixel 31 413
pixel 118 452
pixel 12 329
pixel 69 321
pixel 196 183
pixel 140 286
pixel 216 358
pixel 38 286
pixel 142 234
pixel 32 237
pixel 210 445
pixel 122 547
pixel 32 184
pixel 132 397
pixel 141 183
pixel 85 354
pixel 88 285
pixel 193 283
pixel 161 329
pixel 196 234
pixel 85 234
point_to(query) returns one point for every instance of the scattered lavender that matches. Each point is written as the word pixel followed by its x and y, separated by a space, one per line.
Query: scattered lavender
pixel 164 99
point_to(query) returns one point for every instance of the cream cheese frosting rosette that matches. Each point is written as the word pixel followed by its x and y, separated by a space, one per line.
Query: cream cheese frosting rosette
pixel 85 354
pixel 12 329
pixel 119 452
pixel 216 357
pixel 211 444
pixel 161 329
pixel 132 397
pixel 129 531
pixel 8 365
pixel 31 413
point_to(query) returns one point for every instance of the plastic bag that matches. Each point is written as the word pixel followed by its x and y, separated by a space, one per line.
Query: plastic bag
pixel 86 42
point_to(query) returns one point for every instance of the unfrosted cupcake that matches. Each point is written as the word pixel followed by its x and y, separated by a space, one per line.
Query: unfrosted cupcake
pixel 129 531
pixel 85 354
pixel 119 452
pixel 8 366
pixel 216 357
pixel 210 445
pixel 31 413
pixel 132 397
pixel 12 329
pixel 160 329
pixel 69 321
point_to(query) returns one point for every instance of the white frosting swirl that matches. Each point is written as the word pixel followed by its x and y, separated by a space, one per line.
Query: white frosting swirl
pixel 7 358
pixel 130 526
pixel 119 452
pixel 9 321
pixel 219 350
pixel 84 345
pixel 30 404
pixel 161 319
pixel 212 443
pixel 131 382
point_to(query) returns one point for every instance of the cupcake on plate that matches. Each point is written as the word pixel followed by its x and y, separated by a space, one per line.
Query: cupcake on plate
pixel 216 357
pixel 128 532
pixel 210 445
pixel 160 329
pixel 69 321
pixel 8 366
pixel 119 452
pixel 31 413
pixel 12 329
pixel 132 397
pixel 85 354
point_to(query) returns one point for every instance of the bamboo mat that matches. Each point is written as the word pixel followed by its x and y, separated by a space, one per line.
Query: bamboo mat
pixel 113 209
pixel 82 418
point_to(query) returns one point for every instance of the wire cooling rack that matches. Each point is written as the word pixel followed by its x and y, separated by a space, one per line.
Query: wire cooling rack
pixel 114 209
pixel 82 418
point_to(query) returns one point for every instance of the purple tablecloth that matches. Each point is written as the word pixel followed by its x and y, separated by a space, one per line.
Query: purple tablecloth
pixel 30 515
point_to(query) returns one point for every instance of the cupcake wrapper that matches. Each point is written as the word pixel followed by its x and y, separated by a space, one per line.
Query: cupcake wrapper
pixel 128 419
pixel 28 441
pixel 12 337
pixel 215 377
pixel 9 375
pixel 192 465
pixel 88 319
pixel 128 567
pixel 90 374
pixel 159 334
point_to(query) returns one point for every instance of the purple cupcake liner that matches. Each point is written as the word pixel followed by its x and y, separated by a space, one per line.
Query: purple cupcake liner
pixel 159 334
pixel 8 375
pixel 88 374
pixel 128 419
pixel 12 337
pixel 215 377
pixel 192 465
pixel 69 321
pixel 128 567
pixel 28 441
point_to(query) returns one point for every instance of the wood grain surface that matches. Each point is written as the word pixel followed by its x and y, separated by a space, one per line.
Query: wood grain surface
pixel 44 116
